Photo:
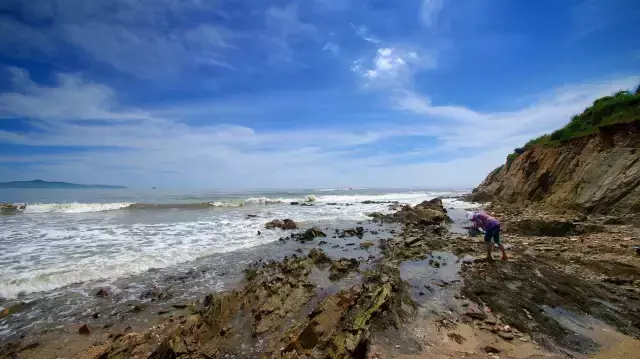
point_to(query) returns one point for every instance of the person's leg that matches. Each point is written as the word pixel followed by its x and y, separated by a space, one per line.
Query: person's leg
pixel 496 239
pixel 488 234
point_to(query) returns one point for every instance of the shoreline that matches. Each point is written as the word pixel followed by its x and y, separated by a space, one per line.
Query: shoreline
pixel 423 292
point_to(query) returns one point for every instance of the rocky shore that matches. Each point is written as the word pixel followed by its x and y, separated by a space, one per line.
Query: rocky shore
pixel 571 288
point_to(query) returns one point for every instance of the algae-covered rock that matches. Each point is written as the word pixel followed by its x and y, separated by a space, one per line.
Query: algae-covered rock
pixel 340 268
pixel 310 234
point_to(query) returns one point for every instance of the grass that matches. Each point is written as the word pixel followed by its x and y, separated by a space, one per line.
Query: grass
pixel 622 107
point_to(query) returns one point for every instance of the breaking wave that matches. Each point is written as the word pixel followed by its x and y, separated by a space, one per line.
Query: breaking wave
pixel 75 207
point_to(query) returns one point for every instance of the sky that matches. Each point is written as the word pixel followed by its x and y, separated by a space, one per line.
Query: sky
pixel 297 94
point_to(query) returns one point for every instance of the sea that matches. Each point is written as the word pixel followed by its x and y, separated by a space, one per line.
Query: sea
pixel 67 243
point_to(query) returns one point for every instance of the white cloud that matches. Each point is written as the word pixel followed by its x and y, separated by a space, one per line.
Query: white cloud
pixel 331 47
pixel 144 147
pixel 429 11
pixel 288 29
pixel 392 67
pixel 461 127
pixel 71 98
pixel 363 33
pixel 128 35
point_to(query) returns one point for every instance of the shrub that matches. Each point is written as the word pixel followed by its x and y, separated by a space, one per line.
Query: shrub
pixel 510 159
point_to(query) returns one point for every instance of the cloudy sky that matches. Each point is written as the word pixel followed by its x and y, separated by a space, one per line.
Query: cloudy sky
pixel 306 93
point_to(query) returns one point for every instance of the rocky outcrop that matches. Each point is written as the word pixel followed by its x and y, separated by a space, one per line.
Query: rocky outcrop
pixel 276 307
pixel 599 173
pixel 427 213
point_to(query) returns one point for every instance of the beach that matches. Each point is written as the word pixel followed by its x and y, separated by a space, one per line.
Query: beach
pixel 67 244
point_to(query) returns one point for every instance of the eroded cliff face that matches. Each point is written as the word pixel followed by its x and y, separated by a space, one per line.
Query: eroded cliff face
pixel 598 173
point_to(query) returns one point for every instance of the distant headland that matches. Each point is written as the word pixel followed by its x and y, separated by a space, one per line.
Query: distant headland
pixel 47 184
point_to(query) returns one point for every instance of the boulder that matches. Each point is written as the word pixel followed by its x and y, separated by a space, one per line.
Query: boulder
pixel 102 293
pixel 310 234
pixel 84 330
pixel 276 223
pixel 282 224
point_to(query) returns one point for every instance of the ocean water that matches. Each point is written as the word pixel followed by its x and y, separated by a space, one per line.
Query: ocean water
pixel 66 243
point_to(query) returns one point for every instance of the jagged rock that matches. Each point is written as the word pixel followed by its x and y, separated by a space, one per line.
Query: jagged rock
pixel 282 224
pixel 340 268
pixel 310 234
pixel 102 292
pixel 84 330
pixel 506 335
pixel 171 348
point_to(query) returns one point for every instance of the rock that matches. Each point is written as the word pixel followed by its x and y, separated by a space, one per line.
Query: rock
pixel 259 233
pixel 138 308
pixel 179 306
pixel 10 208
pixel 474 314
pixel 251 216
pixel 366 244
pixel 15 308
pixel 506 335
pixel 318 256
pixel 542 226
pixel 84 330
pixel 102 293
pixel 612 220
pixel 276 223
pixel 172 347
pixel 310 234
pixel 156 294
pixel 96 315
pixel 350 232
pixel 340 268
pixel 294 203
pixel 377 216
pixel 491 350
pixel 490 321
pixel 282 224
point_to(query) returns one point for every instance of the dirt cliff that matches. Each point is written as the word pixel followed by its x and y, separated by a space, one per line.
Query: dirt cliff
pixel 598 173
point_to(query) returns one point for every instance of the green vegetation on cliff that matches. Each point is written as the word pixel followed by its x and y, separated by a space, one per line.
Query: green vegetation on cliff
pixel 622 107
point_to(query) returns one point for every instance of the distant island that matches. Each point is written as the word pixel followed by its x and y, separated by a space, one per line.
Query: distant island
pixel 47 184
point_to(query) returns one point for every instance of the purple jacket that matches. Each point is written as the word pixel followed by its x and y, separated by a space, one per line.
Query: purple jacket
pixel 484 221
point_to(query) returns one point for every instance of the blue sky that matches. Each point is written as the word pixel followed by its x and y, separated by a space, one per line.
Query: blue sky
pixel 307 93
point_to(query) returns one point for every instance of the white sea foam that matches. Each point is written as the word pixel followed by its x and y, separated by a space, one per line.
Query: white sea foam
pixel 60 255
pixel 74 207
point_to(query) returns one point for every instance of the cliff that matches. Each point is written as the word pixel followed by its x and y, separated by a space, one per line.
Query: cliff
pixel 597 173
